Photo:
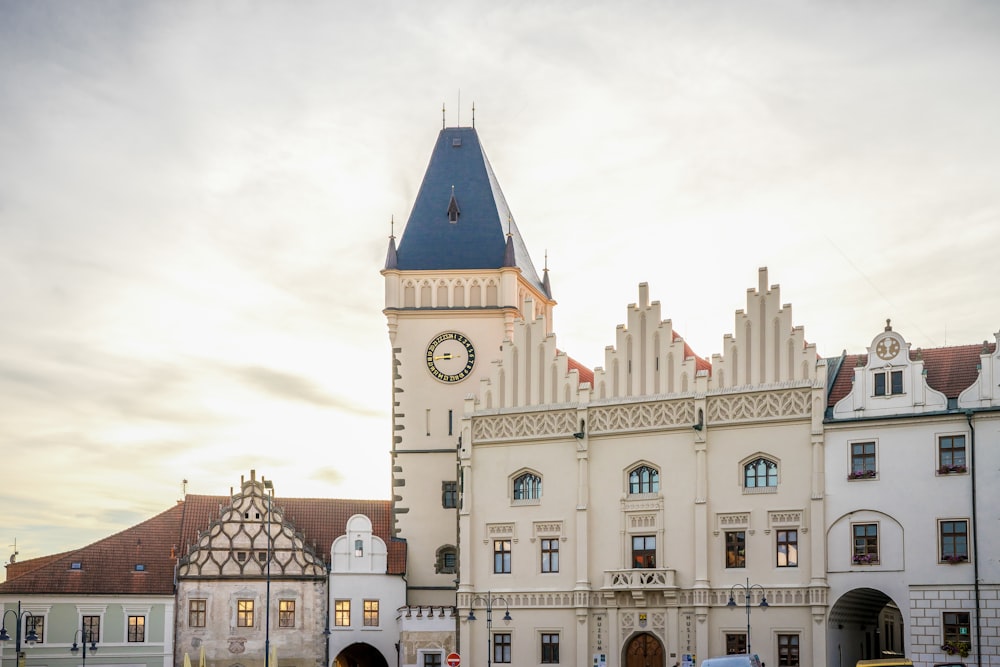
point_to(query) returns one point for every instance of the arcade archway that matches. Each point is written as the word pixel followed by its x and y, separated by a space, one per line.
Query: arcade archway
pixel 360 655
pixel 864 624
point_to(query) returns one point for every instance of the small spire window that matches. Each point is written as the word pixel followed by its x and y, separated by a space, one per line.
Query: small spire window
pixel 453 210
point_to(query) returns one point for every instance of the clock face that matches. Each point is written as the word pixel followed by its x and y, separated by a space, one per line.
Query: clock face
pixel 450 357
pixel 887 348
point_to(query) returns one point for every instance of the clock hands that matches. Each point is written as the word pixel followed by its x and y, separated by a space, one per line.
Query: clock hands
pixel 449 355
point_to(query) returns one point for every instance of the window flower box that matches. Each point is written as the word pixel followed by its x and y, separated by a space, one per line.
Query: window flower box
pixel 862 474
pixel 947 470
pixel 865 559
pixel 953 648
pixel 955 558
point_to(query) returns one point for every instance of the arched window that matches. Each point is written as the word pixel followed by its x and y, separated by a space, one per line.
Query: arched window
pixel 759 473
pixel 527 487
pixel 643 480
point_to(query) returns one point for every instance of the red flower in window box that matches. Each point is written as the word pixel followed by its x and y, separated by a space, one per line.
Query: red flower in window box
pixel 947 470
pixel 955 558
pixel 862 474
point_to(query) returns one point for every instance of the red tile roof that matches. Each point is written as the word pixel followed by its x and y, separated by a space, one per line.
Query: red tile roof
pixel 586 375
pixel 950 370
pixel 108 566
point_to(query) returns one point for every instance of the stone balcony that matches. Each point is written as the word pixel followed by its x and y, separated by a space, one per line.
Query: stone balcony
pixel 639 582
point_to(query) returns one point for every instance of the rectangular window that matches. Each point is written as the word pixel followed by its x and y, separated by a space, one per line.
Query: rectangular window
pixel 736 548
pixel 788 651
pixel 501 556
pixel 951 454
pixel 432 660
pixel 91 628
pixel 954 538
pixel 501 647
pixel 550 555
pixel 865 543
pixel 955 626
pixel 244 613
pixel 36 623
pixel 342 613
pixel 888 383
pixel 449 495
pixel 788 548
pixel 197 611
pixel 862 459
pixel 550 648
pixel 371 613
pixel 286 613
pixel 137 628
pixel 643 551
pixel 736 643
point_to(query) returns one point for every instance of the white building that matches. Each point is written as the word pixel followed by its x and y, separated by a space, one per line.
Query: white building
pixel 909 491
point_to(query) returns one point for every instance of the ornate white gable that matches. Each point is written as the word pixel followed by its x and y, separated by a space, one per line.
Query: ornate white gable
pixel 890 383
pixel 985 392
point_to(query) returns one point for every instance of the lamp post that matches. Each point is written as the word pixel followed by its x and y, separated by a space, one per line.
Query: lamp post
pixel 267 606
pixel 30 639
pixel 489 600
pixel 746 594
pixel 83 634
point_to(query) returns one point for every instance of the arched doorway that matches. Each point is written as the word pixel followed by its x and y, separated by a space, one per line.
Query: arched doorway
pixel 360 655
pixel 644 650
pixel 864 624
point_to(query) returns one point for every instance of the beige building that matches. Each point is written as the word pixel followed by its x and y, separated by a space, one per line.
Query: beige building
pixel 615 519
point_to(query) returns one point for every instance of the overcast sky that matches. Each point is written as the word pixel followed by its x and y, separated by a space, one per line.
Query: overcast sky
pixel 195 201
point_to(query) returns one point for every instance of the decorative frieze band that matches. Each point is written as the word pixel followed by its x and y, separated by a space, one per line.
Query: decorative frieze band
pixel 494 428
pixel 757 406
pixel 641 416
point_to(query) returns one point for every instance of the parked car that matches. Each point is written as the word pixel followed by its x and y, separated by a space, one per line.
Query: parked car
pixel 737 660
pixel 949 664
pixel 885 662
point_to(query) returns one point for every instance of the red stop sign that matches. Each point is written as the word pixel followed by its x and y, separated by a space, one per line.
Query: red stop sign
pixel 453 660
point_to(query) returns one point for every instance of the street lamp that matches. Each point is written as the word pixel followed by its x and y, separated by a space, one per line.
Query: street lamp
pixel 746 594
pixel 83 634
pixel 489 600
pixel 29 639
pixel 267 607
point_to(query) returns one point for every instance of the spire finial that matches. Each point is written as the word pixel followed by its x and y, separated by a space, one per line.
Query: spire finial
pixel 546 265
pixel 888 324
pixel 473 115
pixel 392 226
pixel 509 222
pixel 442 116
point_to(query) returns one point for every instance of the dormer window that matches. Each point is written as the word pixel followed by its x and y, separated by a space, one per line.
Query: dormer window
pixel 76 565
pixel 139 567
pixel 453 210
pixel 888 383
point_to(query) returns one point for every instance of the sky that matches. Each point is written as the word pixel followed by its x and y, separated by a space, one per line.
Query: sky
pixel 195 204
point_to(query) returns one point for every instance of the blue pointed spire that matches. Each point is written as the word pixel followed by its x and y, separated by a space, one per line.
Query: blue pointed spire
pixel 440 236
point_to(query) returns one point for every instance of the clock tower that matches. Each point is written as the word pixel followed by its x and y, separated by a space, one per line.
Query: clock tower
pixel 454 286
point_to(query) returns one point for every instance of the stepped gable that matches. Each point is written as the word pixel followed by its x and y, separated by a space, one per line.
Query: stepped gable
pixel 460 219
pixel 950 370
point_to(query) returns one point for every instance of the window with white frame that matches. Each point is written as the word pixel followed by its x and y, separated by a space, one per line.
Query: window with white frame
pixel 865 543
pixel 951 454
pixel 863 460
pixel 888 383
pixel 953 536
